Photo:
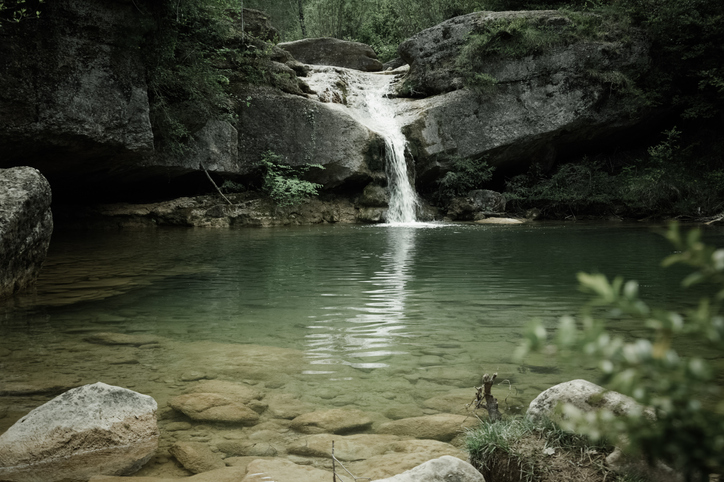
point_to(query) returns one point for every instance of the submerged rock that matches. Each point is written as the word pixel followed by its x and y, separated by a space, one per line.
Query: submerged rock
pixel 92 430
pixel 26 225
pixel 332 421
pixel 196 457
pixel 212 407
pixel 401 456
pixel 346 448
pixel 442 469
pixel 443 427
pixel 336 52
pixel 281 470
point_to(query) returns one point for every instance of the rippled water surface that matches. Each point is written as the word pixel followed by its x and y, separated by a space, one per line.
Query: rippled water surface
pixel 400 321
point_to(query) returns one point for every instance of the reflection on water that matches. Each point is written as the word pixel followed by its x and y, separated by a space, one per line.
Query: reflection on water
pixel 369 330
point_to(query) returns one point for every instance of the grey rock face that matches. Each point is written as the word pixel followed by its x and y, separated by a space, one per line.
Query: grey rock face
pixel 72 87
pixel 332 51
pixel 91 430
pixel 26 225
pixel 303 131
pixel 541 103
pixel 443 469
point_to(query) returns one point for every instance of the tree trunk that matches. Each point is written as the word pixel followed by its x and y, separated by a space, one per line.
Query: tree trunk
pixel 301 18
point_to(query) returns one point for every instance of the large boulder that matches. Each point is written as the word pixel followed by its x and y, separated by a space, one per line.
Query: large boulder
pixel 332 421
pixel 304 131
pixel 443 469
pixel 335 52
pixel 553 100
pixel 583 395
pixel 91 430
pixel 26 224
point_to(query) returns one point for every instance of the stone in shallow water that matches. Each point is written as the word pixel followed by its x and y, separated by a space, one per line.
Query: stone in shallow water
pixel 121 339
pixel 332 421
pixel 38 387
pixel 196 457
pixel 237 392
pixel 443 468
pixel 94 429
pixel 281 470
pixel 212 407
pixel 346 448
pixel 227 474
pixel 402 456
pixel 443 426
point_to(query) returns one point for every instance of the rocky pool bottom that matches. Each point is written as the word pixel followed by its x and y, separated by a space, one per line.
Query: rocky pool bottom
pixel 366 328
pixel 380 428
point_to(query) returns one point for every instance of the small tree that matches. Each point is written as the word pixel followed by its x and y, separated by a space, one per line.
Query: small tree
pixel 688 429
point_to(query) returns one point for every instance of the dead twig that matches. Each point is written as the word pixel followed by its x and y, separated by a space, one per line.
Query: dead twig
pixel 335 476
pixel 212 182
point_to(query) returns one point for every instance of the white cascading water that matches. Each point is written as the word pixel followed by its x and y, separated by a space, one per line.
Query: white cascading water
pixel 367 99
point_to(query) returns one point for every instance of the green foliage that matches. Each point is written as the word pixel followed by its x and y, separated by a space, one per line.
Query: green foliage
pixel 669 180
pixel 683 391
pixel 19 10
pixel 281 181
pixel 572 188
pixel 688 60
pixel 521 37
pixel 464 176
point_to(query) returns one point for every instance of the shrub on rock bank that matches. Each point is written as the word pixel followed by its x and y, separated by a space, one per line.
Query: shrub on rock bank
pixel 684 392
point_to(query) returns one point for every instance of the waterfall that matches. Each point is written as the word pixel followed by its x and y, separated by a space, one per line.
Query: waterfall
pixel 366 96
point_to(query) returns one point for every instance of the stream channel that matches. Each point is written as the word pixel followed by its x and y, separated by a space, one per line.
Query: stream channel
pixel 394 321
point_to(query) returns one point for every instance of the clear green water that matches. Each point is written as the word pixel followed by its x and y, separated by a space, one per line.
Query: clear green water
pixel 395 321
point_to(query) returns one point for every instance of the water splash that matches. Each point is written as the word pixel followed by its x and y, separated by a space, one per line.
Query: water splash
pixel 367 98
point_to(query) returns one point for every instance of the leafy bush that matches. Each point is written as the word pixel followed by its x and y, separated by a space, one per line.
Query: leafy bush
pixel 684 391
pixel 281 181
pixel 464 176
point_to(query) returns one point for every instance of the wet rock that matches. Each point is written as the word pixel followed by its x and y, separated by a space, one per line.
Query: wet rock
pixel 242 448
pixel 585 396
pixel 286 406
pixel 403 411
pixel 403 455
pixel 281 470
pixel 453 401
pixel 443 427
pixel 237 392
pixel 335 52
pixel 121 339
pixel 374 195
pixel 4 351
pixel 445 468
pixel 38 387
pixel 177 426
pixel 346 448
pixel 196 457
pixel 332 421
pixel 91 430
pixel 212 407
pixel 227 474
pixel 26 225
